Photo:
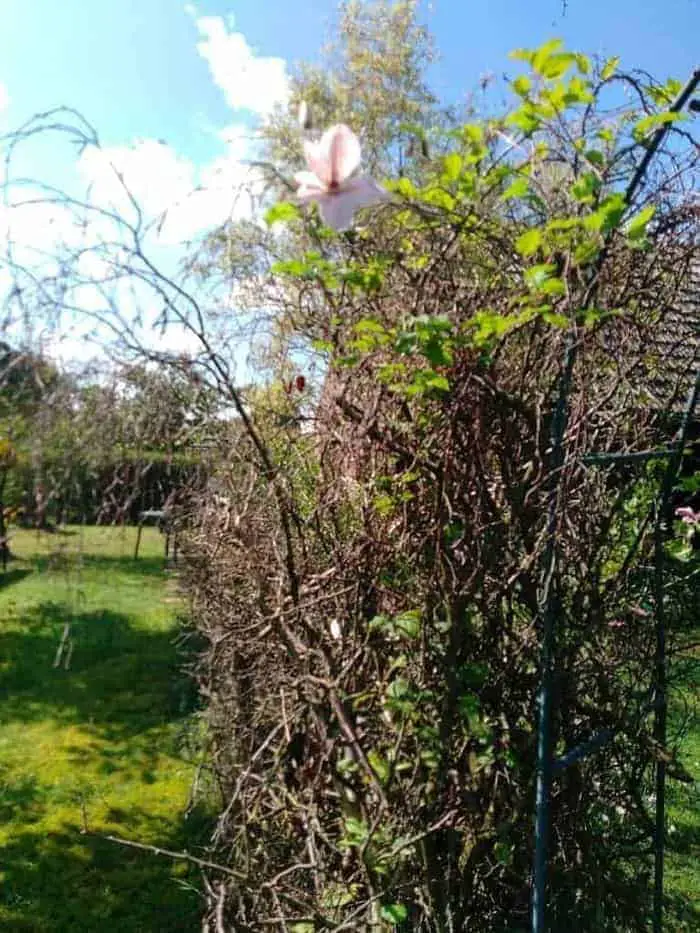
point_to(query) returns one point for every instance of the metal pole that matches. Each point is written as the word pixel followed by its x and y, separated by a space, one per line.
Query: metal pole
pixel 548 610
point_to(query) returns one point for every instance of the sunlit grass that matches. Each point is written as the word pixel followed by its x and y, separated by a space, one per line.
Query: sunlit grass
pixel 682 874
pixel 95 747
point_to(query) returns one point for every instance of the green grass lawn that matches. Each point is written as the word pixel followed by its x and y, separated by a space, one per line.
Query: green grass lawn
pixel 683 853
pixel 95 745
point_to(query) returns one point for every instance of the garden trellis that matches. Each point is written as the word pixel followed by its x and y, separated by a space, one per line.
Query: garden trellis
pixel 547 764
pixel 550 766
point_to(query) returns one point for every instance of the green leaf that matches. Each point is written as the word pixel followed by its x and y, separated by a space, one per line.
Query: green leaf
pixel 608 215
pixel 405 187
pixel 586 187
pixel 610 67
pixel 544 54
pixel 369 325
pixel 408 623
pixel 469 707
pixel 292 267
pixel 690 483
pixel 583 63
pixel 525 118
pixel 393 913
pixel 503 852
pixel 595 157
pixel 440 198
pixel 426 381
pixel 521 85
pixel 473 134
pixel 653 122
pixel 665 95
pixel 517 189
pixel 355 832
pixel 379 765
pixel 536 276
pixel 613 207
pixel 338 895
pixel 282 212
pixel 679 550
pixel 637 227
pixel 589 317
pixel 452 166
pixel 399 696
pixel 322 346
pixel 529 242
pixel 554 319
pixel 398 689
pixel 379 622
pixel 586 252
pixel 489 326
pixel 555 66
pixel 522 55
pixel 562 225
pixel 577 91
pixel 553 287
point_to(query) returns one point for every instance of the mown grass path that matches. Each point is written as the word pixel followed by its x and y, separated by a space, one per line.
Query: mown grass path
pixel 96 745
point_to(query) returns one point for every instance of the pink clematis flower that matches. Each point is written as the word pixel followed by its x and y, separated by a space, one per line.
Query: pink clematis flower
pixel 331 181
pixel 687 515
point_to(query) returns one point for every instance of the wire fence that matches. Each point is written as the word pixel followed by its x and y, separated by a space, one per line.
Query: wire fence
pixel 547 765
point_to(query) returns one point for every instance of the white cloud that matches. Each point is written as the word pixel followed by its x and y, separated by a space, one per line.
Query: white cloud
pixel 178 199
pixel 33 227
pixel 152 172
pixel 249 81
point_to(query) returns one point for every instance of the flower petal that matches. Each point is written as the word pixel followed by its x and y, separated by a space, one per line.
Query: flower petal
pixel 367 188
pixel 308 180
pixel 337 209
pixel 687 515
pixel 344 152
pixel 307 193
pixel 318 160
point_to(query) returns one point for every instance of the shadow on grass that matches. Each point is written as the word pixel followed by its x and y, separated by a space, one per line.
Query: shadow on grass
pixel 685 838
pixel 122 680
pixel 13 576
pixel 67 881
pixel 20 796
pixel 124 689
pixel 150 565
pixel 683 857
pixel 682 916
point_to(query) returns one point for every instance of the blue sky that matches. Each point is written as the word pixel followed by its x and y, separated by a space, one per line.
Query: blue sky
pixel 132 66
pixel 173 87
